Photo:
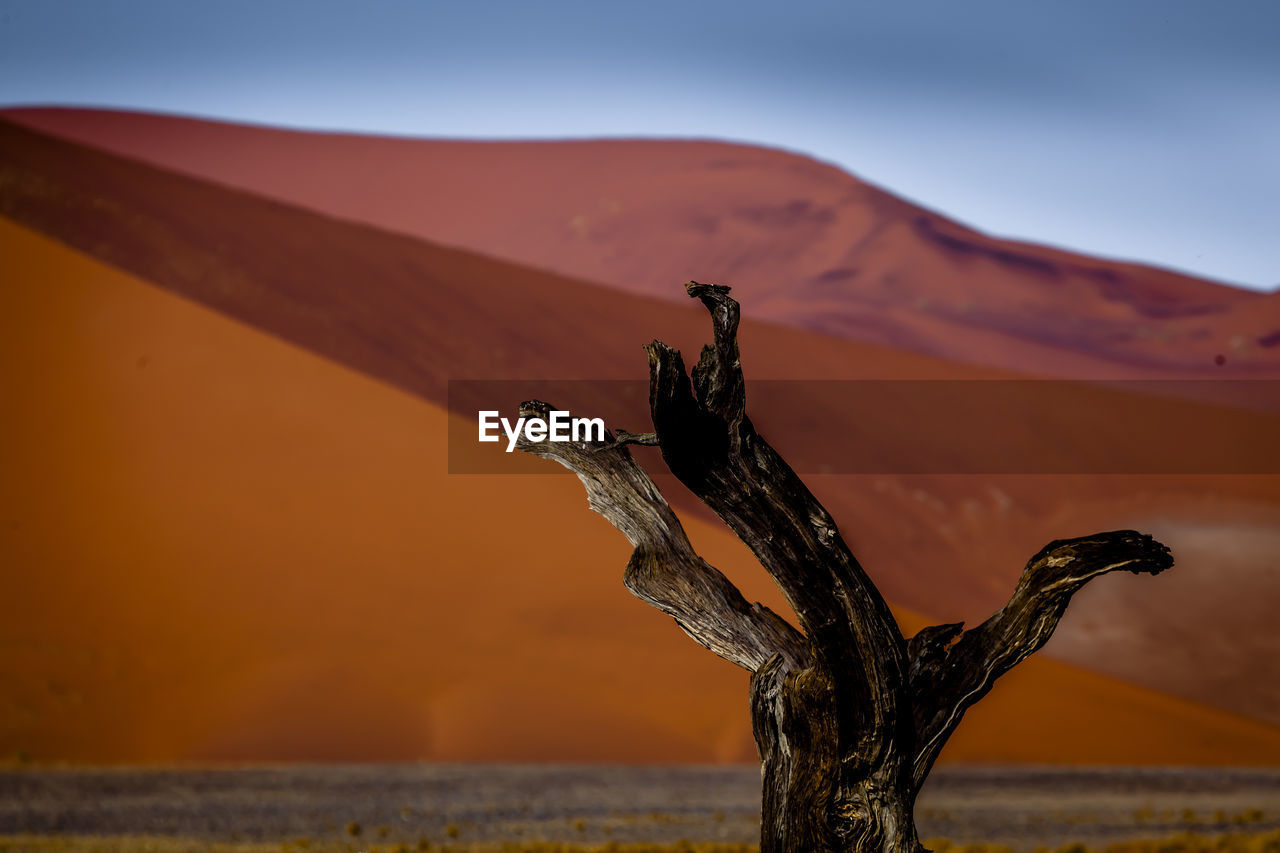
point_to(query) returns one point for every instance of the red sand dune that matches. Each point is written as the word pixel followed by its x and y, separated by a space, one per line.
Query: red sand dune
pixel 948 546
pixel 802 242
pixel 230 548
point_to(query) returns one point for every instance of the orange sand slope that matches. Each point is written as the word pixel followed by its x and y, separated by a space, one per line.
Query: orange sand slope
pixel 803 242
pixel 219 546
pixel 413 314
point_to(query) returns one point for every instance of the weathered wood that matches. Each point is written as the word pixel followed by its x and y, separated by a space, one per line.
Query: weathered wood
pixel 711 446
pixel 664 571
pixel 848 716
pixel 946 678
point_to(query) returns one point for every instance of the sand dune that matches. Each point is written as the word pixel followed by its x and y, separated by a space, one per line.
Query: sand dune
pixel 803 242
pixel 419 314
pixel 220 546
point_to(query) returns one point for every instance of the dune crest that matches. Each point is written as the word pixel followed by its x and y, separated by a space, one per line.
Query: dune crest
pixel 802 242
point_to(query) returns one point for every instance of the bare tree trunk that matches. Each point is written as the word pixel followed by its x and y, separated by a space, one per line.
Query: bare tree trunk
pixel 848 715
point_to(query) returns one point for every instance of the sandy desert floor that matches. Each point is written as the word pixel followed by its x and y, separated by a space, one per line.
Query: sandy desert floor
pixel 384 806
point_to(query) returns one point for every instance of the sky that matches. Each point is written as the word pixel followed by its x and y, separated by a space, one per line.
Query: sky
pixel 1138 129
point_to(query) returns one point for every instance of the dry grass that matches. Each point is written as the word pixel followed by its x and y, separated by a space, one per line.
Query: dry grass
pixel 1258 842
pixel 128 844
pixel 1264 842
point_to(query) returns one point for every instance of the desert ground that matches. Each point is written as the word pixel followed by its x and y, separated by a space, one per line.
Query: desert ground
pixel 525 805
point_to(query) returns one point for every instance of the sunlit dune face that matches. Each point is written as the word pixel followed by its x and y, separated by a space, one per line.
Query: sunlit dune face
pixel 220 546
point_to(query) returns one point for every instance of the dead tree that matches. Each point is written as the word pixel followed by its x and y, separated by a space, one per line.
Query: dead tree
pixel 848 715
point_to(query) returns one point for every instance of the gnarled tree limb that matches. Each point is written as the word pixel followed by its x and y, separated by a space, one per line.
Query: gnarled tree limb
pixel 709 443
pixel 664 571
pixel 951 670
pixel 822 730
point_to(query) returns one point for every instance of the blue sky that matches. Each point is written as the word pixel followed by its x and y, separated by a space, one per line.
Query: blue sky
pixel 1139 129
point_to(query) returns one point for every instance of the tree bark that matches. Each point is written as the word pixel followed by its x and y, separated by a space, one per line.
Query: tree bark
pixel 848 716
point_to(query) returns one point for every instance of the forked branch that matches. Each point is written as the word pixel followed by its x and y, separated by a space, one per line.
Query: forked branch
pixel 848 716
